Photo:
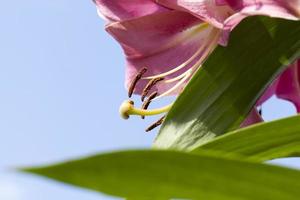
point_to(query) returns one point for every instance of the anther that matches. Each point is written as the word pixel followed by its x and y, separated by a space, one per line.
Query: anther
pixel 148 101
pixel 135 80
pixel 156 124
pixel 149 86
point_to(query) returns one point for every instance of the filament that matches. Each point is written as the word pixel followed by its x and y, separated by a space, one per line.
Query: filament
pixel 184 64
pixel 177 85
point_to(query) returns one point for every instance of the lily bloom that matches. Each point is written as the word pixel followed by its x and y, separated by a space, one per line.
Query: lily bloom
pixel 166 41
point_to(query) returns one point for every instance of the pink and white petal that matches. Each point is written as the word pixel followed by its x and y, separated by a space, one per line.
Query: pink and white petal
pixel 211 11
pixel 278 8
pixel 289 85
pixel 158 46
pixel 271 8
pixel 117 10
pixel 253 118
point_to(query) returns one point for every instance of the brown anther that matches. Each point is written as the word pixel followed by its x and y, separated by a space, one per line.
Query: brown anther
pixel 137 77
pixel 149 86
pixel 131 102
pixel 148 101
pixel 156 124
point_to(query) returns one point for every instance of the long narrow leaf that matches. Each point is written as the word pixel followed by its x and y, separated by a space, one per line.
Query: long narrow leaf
pixel 167 174
pixel 227 86
pixel 261 142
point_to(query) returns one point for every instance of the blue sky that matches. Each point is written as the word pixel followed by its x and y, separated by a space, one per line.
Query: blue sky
pixel 61 83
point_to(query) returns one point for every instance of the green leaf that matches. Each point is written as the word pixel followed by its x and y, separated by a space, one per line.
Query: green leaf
pixel 226 87
pixel 260 142
pixel 170 174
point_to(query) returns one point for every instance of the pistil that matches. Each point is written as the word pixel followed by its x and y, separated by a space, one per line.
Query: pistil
pixel 127 108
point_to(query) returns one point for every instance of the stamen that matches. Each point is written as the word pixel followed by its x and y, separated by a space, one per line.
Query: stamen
pixel 127 108
pixel 177 85
pixel 184 64
pixel 214 35
pixel 210 44
pixel 180 66
pixel 156 124
pixel 149 86
pixel 135 80
pixel 177 78
pixel 148 101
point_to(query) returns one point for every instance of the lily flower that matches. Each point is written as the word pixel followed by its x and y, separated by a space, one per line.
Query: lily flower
pixel 166 41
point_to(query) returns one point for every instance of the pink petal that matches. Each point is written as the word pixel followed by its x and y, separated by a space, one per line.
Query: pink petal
pixel 294 6
pixel 207 10
pixel 289 85
pixel 271 8
pixel 269 92
pixel 253 118
pixel 117 10
pixel 288 6
pixel 221 2
pixel 159 42
pixel 236 4
pixel 286 86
